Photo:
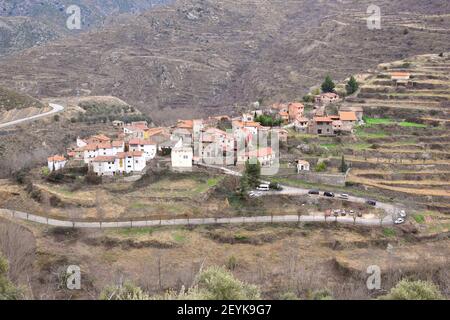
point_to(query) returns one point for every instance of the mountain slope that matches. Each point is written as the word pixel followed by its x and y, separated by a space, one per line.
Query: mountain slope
pixel 203 56
pixel 13 100
pixel 26 23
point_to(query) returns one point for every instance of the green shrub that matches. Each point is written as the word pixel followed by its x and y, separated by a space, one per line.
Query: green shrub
pixel 232 263
pixel 217 283
pixel 323 294
pixel 419 218
pixel 45 171
pixel 321 167
pixel 414 290
pixel 126 292
pixel 7 290
pixel 389 232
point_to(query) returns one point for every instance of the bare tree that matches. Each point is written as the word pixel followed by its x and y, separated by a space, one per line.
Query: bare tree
pixel 18 245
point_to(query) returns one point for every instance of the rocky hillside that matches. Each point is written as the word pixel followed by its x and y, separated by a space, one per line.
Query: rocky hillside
pixel 26 23
pixel 203 56
pixel 13 100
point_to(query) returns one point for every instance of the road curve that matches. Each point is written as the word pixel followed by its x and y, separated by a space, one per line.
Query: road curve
pixel 56 109
pixel 190 222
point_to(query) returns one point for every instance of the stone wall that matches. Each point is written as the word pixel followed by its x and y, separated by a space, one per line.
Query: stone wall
pixel 332 179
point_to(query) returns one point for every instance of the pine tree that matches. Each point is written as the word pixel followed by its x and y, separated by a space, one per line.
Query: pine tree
pixel 352 86
pixel 328 85
pixel 344 166
pixel 252 173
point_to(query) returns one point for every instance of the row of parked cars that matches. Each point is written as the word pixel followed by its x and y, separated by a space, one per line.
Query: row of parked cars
pixel 343 213
pixel 342 196
pixel 264 187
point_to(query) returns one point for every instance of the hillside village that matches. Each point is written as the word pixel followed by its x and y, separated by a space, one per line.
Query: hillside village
pixel 220 140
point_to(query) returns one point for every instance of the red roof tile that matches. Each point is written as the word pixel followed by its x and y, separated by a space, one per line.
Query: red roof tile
pixel 56 158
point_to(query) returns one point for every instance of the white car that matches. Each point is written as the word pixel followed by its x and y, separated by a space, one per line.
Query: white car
pixel 263 187
pixel 254 194
pixel 344 196
pixel 402 214
pixel 399 221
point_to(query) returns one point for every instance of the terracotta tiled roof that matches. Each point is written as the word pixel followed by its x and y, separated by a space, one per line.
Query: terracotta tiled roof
pixel 252 124
pixel 56 158
pixel 104 159
pixel 136 128
pixel 185 124
pixel 323 119
pixel 400 74
pixel 90 147
pixel 135 142
pixel 117 143
pixel 122 155
pixel 101 137
pixel 106 145
pixel 260 152
pixel 347 116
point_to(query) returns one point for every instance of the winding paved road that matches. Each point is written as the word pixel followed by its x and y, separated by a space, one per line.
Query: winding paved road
pixel 56 109
pixel 189 222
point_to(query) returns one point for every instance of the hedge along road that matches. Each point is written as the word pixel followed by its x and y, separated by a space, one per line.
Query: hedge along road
pixel 386 221
pixel 56 109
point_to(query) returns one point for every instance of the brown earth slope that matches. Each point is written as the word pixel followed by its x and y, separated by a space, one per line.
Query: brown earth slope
pixel 199 54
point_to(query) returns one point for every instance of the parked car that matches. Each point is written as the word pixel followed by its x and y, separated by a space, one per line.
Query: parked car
pixel 336 212
pixel 343 213
pixel 314 192
pixel 371 202
pixel 399 221
pixel 360 214
pixel 402 213
pixel 275 186
pixel 328 194
pixel 255 194
pixel 344 196
pixel 263 187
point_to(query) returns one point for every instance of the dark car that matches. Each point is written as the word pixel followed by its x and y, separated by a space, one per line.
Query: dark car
pixel 313 192
pixel 328 194
pixel 371 202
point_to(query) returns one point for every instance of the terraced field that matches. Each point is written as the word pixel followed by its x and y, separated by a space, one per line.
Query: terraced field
pixel 406 133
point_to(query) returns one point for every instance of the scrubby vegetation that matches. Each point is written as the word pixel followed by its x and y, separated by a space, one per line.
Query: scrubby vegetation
pixel 214 283
pixel 7 290
pixel 102 112
pixel 414 290
pixel 13 100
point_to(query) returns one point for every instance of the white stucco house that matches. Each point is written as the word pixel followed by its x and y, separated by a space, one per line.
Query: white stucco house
pixel 149 148
pixel 122 163
pixel 104 165
pixel 265 156
pixel 182 156
pixel 303 165
pixel 56 163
